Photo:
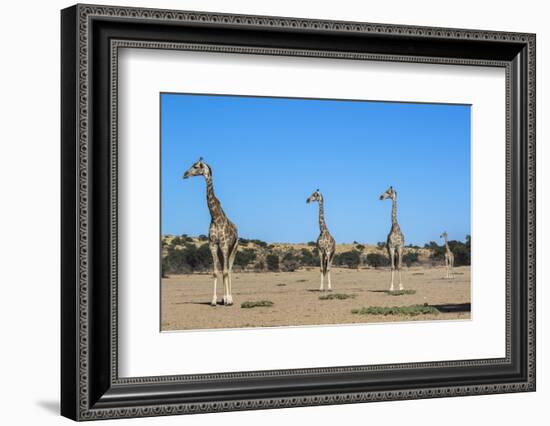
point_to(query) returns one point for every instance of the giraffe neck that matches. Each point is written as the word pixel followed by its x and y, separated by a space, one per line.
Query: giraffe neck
pixel 447 248
pixel 214 205
pixel 322 224
pixel 394 212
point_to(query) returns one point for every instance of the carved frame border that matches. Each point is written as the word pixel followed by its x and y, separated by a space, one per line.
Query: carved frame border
pixel 85 13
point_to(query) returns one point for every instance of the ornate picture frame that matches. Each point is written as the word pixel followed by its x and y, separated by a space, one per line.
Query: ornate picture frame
pixel 90 39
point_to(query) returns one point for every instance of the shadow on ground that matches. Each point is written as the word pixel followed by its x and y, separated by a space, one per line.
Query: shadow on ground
pixel 454 307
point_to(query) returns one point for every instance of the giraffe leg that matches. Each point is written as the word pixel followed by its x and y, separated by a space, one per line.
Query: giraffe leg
pixel 329 267
pixel 231 260
pixel 321 288
pixel 225 255
pixel 216 263
pixel 392 264
pixel 399 264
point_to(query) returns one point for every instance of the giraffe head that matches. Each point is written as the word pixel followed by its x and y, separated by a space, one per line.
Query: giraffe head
pixel 316 196
pixel 444 235
pixel 389 193
pixel 200 168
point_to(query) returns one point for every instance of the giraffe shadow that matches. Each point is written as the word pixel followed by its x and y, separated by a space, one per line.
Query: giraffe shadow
pixel 454 307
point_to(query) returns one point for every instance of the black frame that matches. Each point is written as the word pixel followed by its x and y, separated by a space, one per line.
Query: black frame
pixel 90 386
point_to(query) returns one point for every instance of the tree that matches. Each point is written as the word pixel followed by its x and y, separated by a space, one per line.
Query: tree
pixel 272 261
pixel 202 237
pixel 360 247
pixel 381 244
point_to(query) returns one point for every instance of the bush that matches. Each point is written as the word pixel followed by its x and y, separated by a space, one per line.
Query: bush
pixel 186 260
pixel 412 310
pixel 311 243
pixel 381 244
pixel 308 258
pixel 202 237
pixel 272 261
pixel 410 258
pixel 351 259
pixel 259 304
pixel 244 257
pixel 376 259
pixel 360 247
pixel 290 262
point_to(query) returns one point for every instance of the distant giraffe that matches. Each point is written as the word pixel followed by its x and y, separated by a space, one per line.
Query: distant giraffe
pixel 325 242
pixel 396 240
pixel 222 234
pixel 449 257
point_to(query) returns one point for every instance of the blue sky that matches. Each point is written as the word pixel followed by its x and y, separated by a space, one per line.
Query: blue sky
pixel 269 154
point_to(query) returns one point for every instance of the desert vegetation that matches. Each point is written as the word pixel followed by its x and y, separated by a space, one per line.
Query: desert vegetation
pixel 183 254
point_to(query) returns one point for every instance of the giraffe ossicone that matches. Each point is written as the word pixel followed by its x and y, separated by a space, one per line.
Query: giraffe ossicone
pixel 222 233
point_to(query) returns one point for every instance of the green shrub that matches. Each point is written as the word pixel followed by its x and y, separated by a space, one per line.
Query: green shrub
pixel 400 292
pixel 257 304
pixel 337 296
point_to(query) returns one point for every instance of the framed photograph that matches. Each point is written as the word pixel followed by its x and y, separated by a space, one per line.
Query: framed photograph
pixel 263 212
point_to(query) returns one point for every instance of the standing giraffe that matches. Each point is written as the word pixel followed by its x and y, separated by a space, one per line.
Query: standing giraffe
pixel 396 240
pixel 449 257
pixel 222 234
pixel 325 242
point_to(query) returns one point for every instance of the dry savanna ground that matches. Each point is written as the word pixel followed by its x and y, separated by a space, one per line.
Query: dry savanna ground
pixel 296 300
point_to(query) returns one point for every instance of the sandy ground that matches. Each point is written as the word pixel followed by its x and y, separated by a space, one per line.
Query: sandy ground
pixel 295 296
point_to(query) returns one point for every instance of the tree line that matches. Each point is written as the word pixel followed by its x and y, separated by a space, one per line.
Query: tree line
pixel 184 255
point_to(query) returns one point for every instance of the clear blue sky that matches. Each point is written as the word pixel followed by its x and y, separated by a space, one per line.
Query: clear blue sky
pixel 269 154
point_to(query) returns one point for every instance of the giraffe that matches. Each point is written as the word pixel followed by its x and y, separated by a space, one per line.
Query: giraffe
pixel 449 257
pixel 396 240
pixel 325 242
pixel 222 234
